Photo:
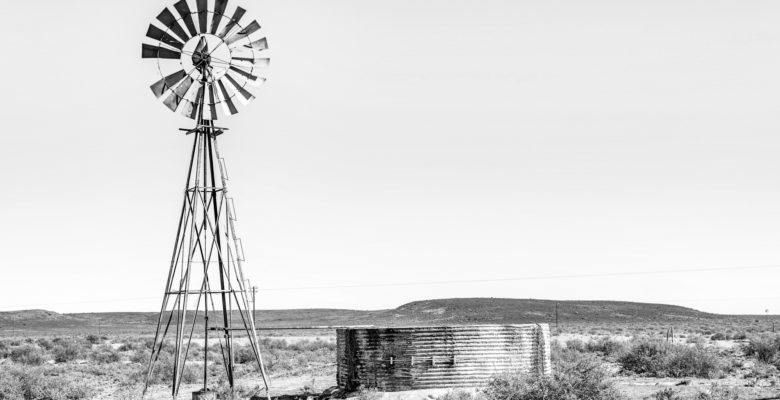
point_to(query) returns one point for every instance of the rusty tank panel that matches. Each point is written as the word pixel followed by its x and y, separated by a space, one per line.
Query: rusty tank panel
pixel 410 358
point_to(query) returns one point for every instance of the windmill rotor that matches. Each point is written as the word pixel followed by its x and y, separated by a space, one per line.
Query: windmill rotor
pixel 208 58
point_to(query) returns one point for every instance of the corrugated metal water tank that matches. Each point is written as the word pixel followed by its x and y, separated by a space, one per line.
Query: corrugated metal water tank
pixel 410 358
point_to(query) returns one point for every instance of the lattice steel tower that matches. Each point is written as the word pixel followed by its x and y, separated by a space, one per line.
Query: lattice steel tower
pixel 207 58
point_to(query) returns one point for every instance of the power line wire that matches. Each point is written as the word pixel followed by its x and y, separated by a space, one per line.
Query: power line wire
pixel 450 282
pixel 526 278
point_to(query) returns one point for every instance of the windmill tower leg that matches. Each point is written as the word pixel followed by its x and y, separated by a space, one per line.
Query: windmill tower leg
pixel 206 261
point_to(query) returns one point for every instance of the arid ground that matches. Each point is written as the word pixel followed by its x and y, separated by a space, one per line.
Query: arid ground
pixel 639 350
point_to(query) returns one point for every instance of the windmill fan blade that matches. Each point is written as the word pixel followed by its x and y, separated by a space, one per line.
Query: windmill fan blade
pixel 219 9
pixel 245 59
pixel 243 73
pixel 186 108
pixel 159 34
pixel 150 51
pixel 202 15
pixel 248 96
pixel 252 28
pixel 184 10
pixel 262 62
pixel 178 93
pixel 167 18
pixel 259 45
pixel 231 106
pixel 233 21
pixel 161 86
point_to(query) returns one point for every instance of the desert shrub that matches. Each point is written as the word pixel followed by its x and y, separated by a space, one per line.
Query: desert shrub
pixel 93 339
pixel 576 345
pixel 244 355
pixel 666 394
pixel 105 355
pixel 163 371
pixel 27 383
pixel 460 394
pixel 44 343
pixel 694 361
pixel 765 348
pixel 140 356
pixel 125 347
pixel 239 391
pixel 582 378
pixel 739 336
pixel 761 370
pixel 5 349
pixel 607 346
pixel 663 359
pixel 695 339
pixel 28 355
pixel 719 336
pixel 280 356
pixel 718 392
pixel 66 350
pixel 10 386
pixel 368 394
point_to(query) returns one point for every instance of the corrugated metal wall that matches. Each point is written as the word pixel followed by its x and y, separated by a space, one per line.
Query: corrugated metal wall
pixel 394 359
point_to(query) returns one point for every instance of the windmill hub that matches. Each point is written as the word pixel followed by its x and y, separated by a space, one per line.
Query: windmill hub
pixel 208 58
pixel 201 59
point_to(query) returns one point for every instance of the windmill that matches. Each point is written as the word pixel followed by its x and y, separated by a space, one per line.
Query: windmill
pixel 207 57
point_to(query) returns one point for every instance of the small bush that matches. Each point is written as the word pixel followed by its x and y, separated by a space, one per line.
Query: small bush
pixel 10 385
pixel 761 370
pixel 459 394
pixel 5 349
pixel 105 355
pixel 718 392
pixel 368 394
pixel 44 343
pixel 141 356
pixel 125 347
pixel 28 355
pixel 163 371
pixel 606 346
pixel 695 339
pixel 719 336
pixel 583 378
pixel 663 359
pixel 66 350
pixel 93 339
pixel 765 348
pixel 666 394
pixel 26 383
pixel 576 345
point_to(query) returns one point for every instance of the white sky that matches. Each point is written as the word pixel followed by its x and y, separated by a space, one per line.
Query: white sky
pixel 408 141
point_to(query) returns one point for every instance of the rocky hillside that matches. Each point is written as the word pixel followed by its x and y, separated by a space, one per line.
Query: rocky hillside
pixel 427 312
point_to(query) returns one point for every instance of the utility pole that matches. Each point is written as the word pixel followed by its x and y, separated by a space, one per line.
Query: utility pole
pixel 767 318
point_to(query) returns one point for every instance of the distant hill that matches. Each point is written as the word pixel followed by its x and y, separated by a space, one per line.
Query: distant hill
pixel 427 312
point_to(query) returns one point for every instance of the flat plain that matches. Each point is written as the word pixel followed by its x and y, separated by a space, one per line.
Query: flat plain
pixel 652 351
